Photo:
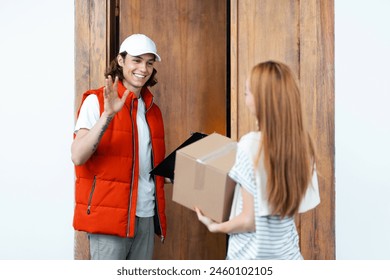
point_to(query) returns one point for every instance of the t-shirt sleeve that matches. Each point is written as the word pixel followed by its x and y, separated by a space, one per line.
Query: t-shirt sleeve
pixel 242 171
pixel 312 196
pixel 89 113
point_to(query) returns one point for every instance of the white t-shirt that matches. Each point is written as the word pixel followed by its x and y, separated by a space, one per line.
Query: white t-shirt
pixel 90 114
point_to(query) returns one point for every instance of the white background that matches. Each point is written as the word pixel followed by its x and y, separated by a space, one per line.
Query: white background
pixel 36 114
pixel 362 80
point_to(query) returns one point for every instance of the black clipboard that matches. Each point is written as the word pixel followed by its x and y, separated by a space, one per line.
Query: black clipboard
pixel 166 168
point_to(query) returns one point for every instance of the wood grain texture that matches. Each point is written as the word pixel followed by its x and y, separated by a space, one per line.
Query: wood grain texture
pixel 234 92
pixel 317 84
pixel 81 246
pixel 191 40
pixel 266 30
pixel 91 40
pixel 82 34
pixel 300 34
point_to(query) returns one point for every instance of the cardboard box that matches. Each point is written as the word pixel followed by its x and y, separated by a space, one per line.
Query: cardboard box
pixel 201 176
pixel 167 166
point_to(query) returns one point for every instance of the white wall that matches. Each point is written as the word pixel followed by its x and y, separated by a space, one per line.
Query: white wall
pixel 362 129
pixel 36 113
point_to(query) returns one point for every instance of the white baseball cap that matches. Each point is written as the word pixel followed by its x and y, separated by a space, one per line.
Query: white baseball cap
pixel 138 44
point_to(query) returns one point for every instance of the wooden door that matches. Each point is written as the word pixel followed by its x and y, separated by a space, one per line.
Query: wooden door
pixel 191 39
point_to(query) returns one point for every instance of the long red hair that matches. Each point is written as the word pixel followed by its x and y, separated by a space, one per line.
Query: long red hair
pixel 287 149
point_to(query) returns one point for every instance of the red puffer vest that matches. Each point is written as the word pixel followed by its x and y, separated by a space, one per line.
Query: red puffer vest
pixel 106 185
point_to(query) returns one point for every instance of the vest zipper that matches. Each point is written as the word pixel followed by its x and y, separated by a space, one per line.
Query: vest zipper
pixel 132 171
pixel 162 237
pixel 91 195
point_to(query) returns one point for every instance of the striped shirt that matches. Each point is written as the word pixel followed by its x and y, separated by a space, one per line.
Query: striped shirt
pixel 274 238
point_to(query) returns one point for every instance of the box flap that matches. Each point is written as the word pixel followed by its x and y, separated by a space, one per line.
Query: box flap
pixel 167 166
pixel 209 144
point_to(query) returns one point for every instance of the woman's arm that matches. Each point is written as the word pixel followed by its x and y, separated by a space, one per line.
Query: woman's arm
pixel 244 222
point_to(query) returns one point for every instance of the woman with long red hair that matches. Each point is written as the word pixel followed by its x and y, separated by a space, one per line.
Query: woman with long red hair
pixel 274 170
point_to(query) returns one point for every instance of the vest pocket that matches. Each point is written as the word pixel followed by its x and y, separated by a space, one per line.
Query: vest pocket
pixel 91 195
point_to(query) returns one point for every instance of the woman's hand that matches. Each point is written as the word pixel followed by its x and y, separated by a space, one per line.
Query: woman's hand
pixel 112 103
pixel 243 222
pixel 167 180
pixel 211 225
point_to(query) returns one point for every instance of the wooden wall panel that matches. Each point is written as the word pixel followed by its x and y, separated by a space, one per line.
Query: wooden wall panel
pixel 234 80
pixel 90 64
pixel 300 34
pixel 191 40
pixel 265 30
pixel 91 44
pixel 82 35
pixel 317 84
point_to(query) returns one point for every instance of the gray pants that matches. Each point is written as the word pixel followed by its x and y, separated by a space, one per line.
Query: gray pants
pixel 111 247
